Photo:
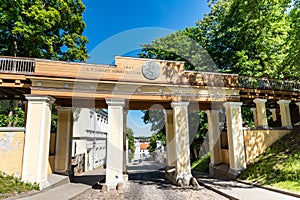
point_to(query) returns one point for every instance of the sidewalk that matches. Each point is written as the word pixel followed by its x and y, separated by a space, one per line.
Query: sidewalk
pixel 82 183
pixel 238 190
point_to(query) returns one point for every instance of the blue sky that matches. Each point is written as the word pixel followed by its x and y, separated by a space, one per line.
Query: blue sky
pixel 119 27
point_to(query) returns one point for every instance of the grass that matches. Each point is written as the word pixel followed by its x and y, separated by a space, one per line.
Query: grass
pixel 278 166
pixel 202 164
pixel 10 185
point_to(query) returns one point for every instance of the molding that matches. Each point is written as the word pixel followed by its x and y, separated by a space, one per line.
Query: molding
pixel 258 100
pixel 179 104
pixel 284 101
pixel 233 104
pixel 115 102
pixel 12 129
pixel 41 98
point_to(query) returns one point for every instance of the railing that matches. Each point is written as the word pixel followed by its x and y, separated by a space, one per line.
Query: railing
pixel 16 65
pixel 267 84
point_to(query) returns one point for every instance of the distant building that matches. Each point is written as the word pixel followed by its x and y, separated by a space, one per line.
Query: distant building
pixel 141 148
pixel 89 138
pixel 144 152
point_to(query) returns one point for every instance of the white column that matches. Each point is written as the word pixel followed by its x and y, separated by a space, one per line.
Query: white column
pixel 37 139
pixel 64 135
pixel 273 111
pixel 170 138
pixel 285 113
pixel 114 162
pixel 235 137
pixel 254 116
pixel 214 138
pixel 261 112
pixel 181 129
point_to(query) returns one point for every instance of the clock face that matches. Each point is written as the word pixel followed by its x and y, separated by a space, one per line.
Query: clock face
pixel 151 70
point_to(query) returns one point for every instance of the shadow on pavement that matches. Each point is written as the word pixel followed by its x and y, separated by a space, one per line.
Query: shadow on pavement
pixel 92 180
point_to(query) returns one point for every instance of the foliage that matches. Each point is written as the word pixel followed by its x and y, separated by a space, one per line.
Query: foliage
pixel 54 117
pixel 247 116
pixel 159 136
pixel 202 164
pixel 248 37
pixel 251 38
pixel 198 128
pixel 10 185
pixel 16 120
pixel 131 146
pixel 181 46
pixel 279 165
pixel 43 29
pixel 293 42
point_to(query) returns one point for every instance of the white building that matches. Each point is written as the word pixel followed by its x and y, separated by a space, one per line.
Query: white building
pixel 89 138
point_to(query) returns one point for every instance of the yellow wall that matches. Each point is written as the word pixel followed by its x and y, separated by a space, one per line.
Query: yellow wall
pixel 256 141
pixel 52 153
pixel 11 152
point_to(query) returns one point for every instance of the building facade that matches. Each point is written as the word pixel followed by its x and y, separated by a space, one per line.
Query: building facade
pixel 89 138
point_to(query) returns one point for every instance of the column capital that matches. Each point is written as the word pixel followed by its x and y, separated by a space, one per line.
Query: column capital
pixel 179 103
pixel 115 102
pixel 233 104
pixel 60 108
pixel 258 100
pixel 47 99
pixel 284 101
pixel 273 110
pixel 298 103
pixel 253 109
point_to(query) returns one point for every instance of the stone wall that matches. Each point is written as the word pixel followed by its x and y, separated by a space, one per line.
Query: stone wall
pixel 256 141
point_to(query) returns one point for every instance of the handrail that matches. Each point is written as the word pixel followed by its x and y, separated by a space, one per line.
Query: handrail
pixel 17 65
pixel 268 84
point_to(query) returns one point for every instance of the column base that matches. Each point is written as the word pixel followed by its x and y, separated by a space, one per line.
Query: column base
pixel 233 174
pixel 181 181
pixel 212 169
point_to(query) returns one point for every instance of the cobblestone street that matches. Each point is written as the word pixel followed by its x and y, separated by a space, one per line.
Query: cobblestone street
pixel 146 182
pixel 147 191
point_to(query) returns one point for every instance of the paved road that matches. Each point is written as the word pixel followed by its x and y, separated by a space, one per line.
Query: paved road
pixel 147 182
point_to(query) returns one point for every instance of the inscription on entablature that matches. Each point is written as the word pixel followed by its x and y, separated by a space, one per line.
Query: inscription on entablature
pixel 125 70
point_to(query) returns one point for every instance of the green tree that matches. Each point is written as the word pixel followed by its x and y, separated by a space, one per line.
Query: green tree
pixel 43 29
pixel 131 146
pixel 182 45
pixel 294 39
pixel 248 37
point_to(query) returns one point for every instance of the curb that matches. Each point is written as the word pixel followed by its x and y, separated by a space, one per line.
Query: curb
pixel 217 191
pixel 270 188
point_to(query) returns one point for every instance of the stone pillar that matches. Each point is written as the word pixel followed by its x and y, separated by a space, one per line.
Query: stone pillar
pixel 261 112
pixel 170 138
pixel 285 113
pixel 37 139
pixel 125 149
pixel 114 161
pixel 214 139
pixel 64 135
pixel 273 111
pixel 235 137
pixel 254 116
pixel 181 129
